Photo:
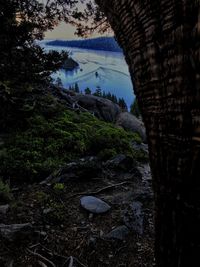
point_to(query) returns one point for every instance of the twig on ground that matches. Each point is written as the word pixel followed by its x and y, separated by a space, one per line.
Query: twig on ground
pixel 42 264
pixel 98 191
pixel 35 245
pixel 41 257
pixel 71 262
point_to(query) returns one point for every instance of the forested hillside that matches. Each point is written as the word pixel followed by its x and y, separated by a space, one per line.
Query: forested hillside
pixel 101 43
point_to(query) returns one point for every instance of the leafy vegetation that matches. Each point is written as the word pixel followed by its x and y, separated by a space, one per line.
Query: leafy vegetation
pixel 59 187
pixel 47 140
pixel 40 134
pixel 134 109
pixel 5 192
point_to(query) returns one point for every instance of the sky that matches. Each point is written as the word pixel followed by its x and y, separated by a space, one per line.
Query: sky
pixel 64 31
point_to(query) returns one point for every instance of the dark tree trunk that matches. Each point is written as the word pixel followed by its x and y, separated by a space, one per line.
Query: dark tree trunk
pixel 161 43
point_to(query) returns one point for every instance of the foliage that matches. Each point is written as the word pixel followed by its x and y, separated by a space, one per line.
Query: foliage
pixel 51 136
pixel 107 153
pixel 135 110
pixel 41 197
pixel 74 88
pixel 122 104
pixel 88 91
pixel 100 43
pixel 59 187
pixel 98 91
pixel 57 211
pixel 5 193
pixel 22 59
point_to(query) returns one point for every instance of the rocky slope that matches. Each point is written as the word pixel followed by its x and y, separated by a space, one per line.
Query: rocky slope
pixel 75 189
pixel 50 224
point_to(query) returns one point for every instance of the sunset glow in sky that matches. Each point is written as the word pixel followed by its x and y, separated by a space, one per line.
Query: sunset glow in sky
pixel 64 31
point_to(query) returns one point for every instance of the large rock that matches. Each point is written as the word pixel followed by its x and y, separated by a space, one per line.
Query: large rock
pixel 94 205
pixel 102 108
pixel 130 122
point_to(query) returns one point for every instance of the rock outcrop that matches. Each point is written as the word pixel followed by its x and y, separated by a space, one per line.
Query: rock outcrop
pixel 130 122
pixel 102 108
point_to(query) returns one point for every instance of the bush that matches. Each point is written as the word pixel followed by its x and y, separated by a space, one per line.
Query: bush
pixel 45 143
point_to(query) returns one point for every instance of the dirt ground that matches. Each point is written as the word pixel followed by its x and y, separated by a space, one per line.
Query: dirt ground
pixel 64 234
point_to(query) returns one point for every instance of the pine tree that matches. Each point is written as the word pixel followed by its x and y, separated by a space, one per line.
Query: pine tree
pixel 59 82
pixel 134 109
pixel 98 91
pixel 122 104
pixel 87 91
pixel 76 88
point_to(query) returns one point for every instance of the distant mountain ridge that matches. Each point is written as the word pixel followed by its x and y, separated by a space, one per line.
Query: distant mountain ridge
pixel 100 43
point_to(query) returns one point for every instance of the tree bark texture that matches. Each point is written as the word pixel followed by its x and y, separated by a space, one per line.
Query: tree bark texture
pixel 161 43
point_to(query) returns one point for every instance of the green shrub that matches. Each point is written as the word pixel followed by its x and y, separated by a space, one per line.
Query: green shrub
pixel 107 153
pixel 5 193
pixel 59 187
pixel 46 143
pixel 135 110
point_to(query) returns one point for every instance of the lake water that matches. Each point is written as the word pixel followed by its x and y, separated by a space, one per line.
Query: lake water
pixel 107 70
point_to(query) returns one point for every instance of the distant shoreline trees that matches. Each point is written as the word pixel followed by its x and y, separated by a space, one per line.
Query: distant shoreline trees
pixel 107 95
pixel 134 109
pixel 100 43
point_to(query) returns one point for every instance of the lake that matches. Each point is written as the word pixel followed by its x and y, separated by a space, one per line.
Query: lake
pixel 104 69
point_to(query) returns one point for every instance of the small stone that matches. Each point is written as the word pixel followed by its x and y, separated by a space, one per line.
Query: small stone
pixel 101 233
pixel 94 205
pixel 91 216
pixel 43 233
pixel 4 209
pixel 46 211
pixel 119 233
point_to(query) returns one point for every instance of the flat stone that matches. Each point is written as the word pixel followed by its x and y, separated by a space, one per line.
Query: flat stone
pixel 119 233
pixel 94 205
pixel 4 209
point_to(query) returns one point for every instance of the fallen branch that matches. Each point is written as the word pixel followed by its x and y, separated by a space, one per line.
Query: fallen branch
pixel 42 264
pixel 98 191
pixel 71 262
pixel 41 257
